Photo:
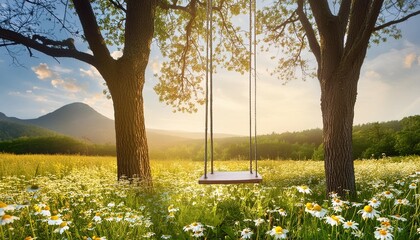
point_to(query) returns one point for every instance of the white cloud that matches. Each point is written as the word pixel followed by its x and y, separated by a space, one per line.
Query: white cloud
pixel 68 84
pixel 409 60
pixel 60 69
pixel 116 54
pixel 156 66
pixel 43 71
pixel 90 72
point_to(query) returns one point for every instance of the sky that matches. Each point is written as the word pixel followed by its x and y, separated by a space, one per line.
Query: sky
pixel 389 89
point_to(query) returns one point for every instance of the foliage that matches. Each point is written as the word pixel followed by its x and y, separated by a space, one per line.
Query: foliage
pixel 54 145
pixel 10 130
pixel 41 192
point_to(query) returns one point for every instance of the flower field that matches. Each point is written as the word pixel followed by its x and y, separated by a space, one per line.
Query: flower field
pixel 78 197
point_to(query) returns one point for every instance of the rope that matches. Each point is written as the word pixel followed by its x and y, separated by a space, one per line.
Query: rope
pixel 250 87
pixel 207 93
pixel 211 86
pixel 255 88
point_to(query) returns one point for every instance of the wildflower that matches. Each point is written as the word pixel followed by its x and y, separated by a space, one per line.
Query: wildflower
pixel 334 220
pixel 333 194
pixel 401 201
pixel 368 212
pixel 149 235
pixel 282 212
pixel 388 194
pixel 412 186
pixel 356 204
pixel 55 220
pixel 358 233
pixel 64 226
pixel 387 226
pixel 374 202
pixel 308 207
pixel 96 238
pixel 338 202
pixel 4 207
pixel 33 188
pixel 304 189
pixel 316 210
pixel 172 209
pixel 198 234
pixel 383 234
pixel 111 204
pixel 6 219
pixel 398 217
pixel 29 238
pixel 246 233
pixel 194 227
pixel 350 224
pixel 97 218
pixel 259 221
pixel 45 211
pixel 166 237
pixel 278 232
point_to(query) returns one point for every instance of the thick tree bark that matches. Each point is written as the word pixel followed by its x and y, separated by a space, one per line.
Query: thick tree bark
pixel 131 141
pixel 338 97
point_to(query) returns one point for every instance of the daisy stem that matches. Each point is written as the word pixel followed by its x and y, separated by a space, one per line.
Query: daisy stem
pixel 31 224
pixel 2 233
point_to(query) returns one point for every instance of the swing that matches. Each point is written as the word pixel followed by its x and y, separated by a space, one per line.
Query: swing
pixel 229 177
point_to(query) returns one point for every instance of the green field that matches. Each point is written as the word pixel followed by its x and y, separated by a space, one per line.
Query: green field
pixel 78 197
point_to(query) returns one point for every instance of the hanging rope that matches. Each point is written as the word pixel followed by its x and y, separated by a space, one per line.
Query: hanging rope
pixel 209 88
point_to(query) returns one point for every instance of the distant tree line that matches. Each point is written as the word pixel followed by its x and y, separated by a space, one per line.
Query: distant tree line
pixel 57 144
pixel 372 140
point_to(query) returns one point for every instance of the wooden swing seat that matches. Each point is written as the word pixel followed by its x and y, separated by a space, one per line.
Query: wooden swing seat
pixel 230 178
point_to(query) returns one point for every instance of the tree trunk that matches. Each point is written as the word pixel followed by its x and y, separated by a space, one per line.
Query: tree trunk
pixel 126 89
pixel 338 97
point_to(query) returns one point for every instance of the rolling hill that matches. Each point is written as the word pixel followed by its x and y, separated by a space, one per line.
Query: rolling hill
pixel 82 122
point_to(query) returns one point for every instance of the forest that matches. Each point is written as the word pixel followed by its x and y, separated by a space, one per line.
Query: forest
pixel 371 140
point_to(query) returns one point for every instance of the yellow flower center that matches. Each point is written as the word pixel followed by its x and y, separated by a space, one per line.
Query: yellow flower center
pixel 383 232
pixel 194 224
pixel 317 208
pixel 336 200
pixel 350 223
pixel 309 206
pixel 374 200
pixel 386 224
pixel 413 185
pixel 278 230
pixel 28 238
pixel 246 231
pixel 63 224
pixel 387 192
pixel 47 208
pixel 98 214
pixel 304 187
pixel 6 217
pixel 368 209
pixel 55 217
pixel 3 205
pixel 335 218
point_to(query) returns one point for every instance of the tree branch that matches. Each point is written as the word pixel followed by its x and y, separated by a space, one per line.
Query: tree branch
pixel 343 16
pixel 92 31
pixel 118 5
pixel 377 28
pixel 166 6
pixel 53 50
pixel 310 33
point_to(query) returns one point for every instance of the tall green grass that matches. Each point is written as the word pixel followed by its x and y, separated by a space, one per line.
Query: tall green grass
pixel 84 201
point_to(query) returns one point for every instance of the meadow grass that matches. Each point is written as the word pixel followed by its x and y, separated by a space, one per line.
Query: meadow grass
pixel 78 197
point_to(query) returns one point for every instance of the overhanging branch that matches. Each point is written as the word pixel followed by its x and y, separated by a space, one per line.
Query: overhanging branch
pixel 49 47
pixel 377 28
